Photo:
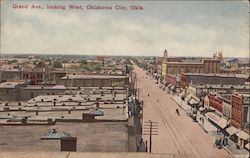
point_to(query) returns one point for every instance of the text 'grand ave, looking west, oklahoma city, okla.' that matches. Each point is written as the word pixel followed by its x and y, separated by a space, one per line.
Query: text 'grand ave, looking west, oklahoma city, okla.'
pixel 78 7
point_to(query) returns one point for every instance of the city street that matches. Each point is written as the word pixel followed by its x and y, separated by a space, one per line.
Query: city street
pixel 177 135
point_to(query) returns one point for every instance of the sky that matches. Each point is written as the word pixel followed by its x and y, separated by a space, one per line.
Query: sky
pixel 184 28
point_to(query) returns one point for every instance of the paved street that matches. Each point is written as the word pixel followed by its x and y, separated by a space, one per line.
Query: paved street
pixel 177 135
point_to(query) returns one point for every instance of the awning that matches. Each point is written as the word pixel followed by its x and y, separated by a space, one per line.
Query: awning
pixel 247 146
pixel 221 122
pixel 188 97
pixel 201 108
pixel 170 85
pixel 192 101
pixel 243 135
pixel 232 130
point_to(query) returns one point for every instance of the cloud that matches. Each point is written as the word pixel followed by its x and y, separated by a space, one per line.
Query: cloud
pixel 108 33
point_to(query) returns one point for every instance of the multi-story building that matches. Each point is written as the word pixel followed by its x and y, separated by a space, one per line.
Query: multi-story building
pixel 241 110
pixel 212 79
pixel 34 75
pixel 240 117
pixel 181 65
pixel 93 81
pixel 215 102
pixel 8 72
pixel 10 91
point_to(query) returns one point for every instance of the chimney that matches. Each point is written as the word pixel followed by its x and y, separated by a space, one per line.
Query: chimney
pixel 6 109
pixel 97 105
pixel 88 117
pixel 68 143
pixel 24 121
pixel 50 121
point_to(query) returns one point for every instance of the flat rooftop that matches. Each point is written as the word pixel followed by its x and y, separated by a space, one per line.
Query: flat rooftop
pixel 10 84
pixel 101 137
pixel 217 75
pixel 86 155
pixel 92 77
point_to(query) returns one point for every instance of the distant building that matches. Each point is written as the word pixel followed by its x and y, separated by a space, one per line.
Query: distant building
pixel 100 59
pixel 178 65
pixel 10 91
pixel 8 72
pixel 93 81
pixel 212 79
pixel 34 75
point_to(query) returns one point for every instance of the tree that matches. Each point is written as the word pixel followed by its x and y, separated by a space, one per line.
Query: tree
pixel 57 64
pixel 84 62
pixel 12 61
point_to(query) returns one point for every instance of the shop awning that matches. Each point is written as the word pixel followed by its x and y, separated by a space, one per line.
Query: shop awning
pixel 243 135
pixel 221 122
pixel 247 146
pixel 232 130
pixel 188 97
pixel 192 101
pixel 170 85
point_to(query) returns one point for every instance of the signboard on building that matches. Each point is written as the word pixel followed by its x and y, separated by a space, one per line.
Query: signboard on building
pixel 163 71
pixel 118 84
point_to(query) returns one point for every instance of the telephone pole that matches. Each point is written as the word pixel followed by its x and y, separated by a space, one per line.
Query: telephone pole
pixel 150 128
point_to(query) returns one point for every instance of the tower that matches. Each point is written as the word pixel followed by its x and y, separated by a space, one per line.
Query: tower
pixel 165 54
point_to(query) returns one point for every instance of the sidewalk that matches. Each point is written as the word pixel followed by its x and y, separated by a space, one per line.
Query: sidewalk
pixel 211 130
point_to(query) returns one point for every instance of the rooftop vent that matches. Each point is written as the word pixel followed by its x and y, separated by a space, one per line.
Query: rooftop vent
pixel 54 134
pixel 96 112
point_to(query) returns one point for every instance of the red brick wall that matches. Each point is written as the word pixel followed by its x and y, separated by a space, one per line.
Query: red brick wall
pixel 237 103
pixel 215 103
pixel 183 81
pixel 171 80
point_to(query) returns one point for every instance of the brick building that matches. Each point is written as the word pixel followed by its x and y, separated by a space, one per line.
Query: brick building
pixel 240 111
pixel 10 91
pixel 212 79
pixel 93 81
pixel 215 102
pixel 8 72
pixel 177 65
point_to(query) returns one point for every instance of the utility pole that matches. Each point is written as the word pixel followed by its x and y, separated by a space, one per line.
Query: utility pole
pixel 142 106
pixel 150 128
pixel 138 94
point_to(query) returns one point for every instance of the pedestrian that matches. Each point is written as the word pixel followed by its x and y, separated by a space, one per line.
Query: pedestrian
pixel 223 141
pixel 226 141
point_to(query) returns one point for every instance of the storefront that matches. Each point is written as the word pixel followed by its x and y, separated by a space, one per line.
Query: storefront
pixel 232 133
pixel 243 138
pixel 219 122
